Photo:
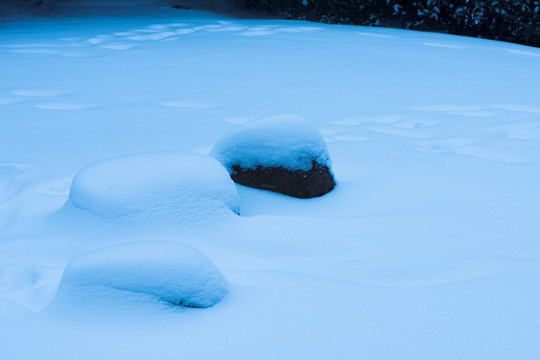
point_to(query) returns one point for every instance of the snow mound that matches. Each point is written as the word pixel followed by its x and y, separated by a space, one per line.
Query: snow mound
pixel 169 271
pixel 281 140
pixel 164 185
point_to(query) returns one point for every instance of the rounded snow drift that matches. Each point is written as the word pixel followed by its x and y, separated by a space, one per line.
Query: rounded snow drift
pixel 169 271
pixel 282 153
pixel 168 185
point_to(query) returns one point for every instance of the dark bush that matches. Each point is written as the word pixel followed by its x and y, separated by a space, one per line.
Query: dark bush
pixel 506 20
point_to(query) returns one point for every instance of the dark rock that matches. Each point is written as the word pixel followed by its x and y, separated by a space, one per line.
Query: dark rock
pixel 298 183
pixel 282 153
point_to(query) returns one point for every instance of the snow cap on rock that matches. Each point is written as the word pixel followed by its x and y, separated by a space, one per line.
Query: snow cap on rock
pixel 168 185
pixel 166 270
pixel 284 140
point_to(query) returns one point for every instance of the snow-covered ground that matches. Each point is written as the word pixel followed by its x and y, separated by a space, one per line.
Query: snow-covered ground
pixel 428 248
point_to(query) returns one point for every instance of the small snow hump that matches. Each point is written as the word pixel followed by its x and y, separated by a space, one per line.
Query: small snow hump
pixel 281 153
pixel 164 185
pixel 149 270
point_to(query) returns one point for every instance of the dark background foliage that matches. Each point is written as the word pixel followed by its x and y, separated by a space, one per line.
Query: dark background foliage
pixel 506 20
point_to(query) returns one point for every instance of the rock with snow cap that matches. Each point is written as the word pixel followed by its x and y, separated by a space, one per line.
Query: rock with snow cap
pixel 138 272
pixel 161 185
pixel 282 153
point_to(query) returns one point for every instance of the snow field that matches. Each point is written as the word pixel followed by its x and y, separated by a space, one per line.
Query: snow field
pixel 427 249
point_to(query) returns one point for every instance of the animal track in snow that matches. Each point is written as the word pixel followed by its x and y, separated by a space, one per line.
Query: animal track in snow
pixel 227 28
pixel 62 106
pixel 468 147
pixel 124 33
pixel 356 121
pixel 383 119
pixel 400 131
pixel 389 124
pixel 257 31
pixel 517 108
pixel 184 31
pixel 445 145
pixel 452 109
pixel 38 93
pixel 415 123
pixel 155 36
pixel 65 49
pixel 396 125
pixel 99 39
pixel 349 138
pixel 522 52
pixel 447 46
pixel 72 54
pixel 188 104
pixel 127 40
pixel 22 95
pixel 299 29
pixel 375 35
pixel 490 153
pixel 335 131
pixel 525 131
pixel 48 94
pixel 9 100
pixel 523 124
pixel 346 122
pixel 237 120
pixel 158 27
pixel 118 46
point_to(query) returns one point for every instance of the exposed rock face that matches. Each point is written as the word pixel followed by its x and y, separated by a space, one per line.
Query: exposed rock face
pixel 298 183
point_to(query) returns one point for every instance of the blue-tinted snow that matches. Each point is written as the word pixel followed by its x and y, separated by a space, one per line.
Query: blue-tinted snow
pixel 170 186
pixel 168 271
pixel 427 249
pixel 280 140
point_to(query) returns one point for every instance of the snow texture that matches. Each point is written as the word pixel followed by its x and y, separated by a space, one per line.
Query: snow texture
pixel 427 249
pixel 170 271
pixel 166 185
pixel 281 140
